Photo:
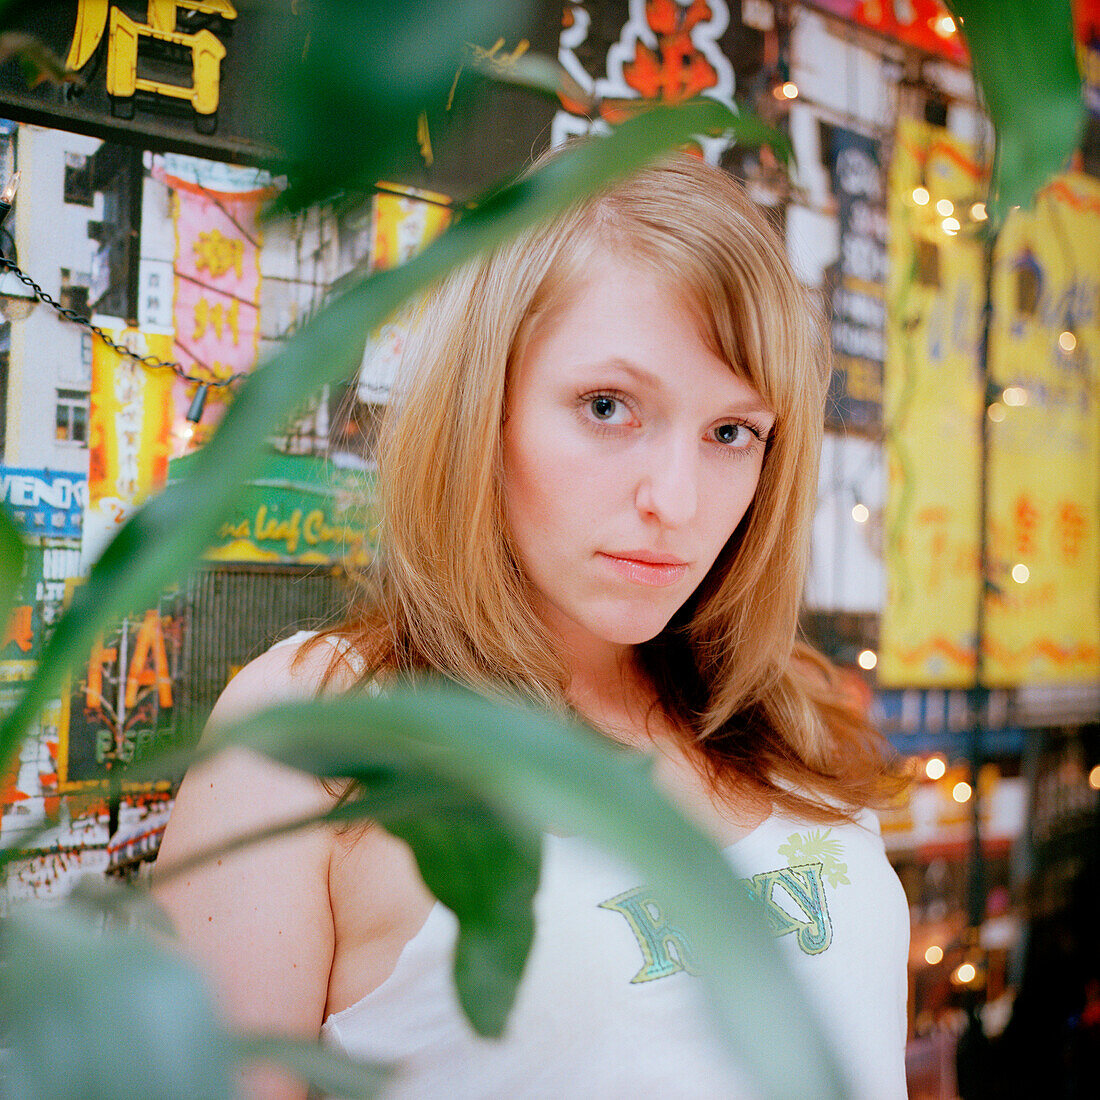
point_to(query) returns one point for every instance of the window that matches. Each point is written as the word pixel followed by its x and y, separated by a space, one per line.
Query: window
pixel 78 180
pixel 72 417
pixel 73 293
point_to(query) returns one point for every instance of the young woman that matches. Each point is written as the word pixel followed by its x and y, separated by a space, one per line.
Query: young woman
pixel 597 486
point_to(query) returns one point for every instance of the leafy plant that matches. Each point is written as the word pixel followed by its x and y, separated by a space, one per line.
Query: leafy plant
pixel 471 786
pixel 1025 67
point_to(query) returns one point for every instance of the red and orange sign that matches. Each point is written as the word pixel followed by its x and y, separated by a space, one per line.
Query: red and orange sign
pixel 129 423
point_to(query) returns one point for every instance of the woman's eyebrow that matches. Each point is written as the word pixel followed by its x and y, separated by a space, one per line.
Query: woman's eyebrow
pixel 635 370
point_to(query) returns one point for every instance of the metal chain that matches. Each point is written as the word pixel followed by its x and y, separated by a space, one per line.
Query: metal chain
pixel 150 361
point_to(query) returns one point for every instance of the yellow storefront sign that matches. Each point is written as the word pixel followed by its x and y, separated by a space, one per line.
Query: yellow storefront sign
pixel 1042 599
pixel 931 408
pixel 1043 614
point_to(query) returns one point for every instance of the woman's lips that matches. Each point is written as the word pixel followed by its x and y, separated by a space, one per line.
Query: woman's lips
pixel 648 569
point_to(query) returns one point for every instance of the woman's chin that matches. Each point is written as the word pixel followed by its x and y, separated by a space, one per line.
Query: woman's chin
pixel 633 631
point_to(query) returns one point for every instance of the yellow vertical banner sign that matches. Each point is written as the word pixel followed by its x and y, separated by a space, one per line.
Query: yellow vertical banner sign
pixel 403 221
pixel 1043 618
pixel 129 423
pixel 932 403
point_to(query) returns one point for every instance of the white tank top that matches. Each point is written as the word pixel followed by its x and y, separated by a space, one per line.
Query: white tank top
pixel 607 1006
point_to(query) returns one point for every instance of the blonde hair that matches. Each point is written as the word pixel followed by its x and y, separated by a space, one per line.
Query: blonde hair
pixel 448 592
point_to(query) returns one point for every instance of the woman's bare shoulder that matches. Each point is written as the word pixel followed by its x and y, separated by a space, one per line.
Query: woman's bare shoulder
pixel 291 670
pixel 236 791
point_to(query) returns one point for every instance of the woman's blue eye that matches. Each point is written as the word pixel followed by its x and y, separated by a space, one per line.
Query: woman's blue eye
pixel 728 433
pixel 603 408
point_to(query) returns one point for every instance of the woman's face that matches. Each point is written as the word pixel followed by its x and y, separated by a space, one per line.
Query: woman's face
pixel 631 452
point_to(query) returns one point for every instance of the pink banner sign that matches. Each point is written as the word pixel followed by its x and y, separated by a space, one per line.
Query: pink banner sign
pixel 216 307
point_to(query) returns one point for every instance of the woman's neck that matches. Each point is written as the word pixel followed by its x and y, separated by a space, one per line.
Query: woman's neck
pixel 615 697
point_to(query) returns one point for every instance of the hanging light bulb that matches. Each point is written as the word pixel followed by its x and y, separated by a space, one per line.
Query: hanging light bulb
pixel 198 403
pixel 783 88
pixel 7 195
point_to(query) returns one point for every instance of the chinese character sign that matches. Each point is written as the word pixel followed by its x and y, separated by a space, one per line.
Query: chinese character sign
pixel 932 404
pixel 1044 507
pixel 122 703
pixel 216 308
pixel 666 51
pixel 129 426
pixel 193 60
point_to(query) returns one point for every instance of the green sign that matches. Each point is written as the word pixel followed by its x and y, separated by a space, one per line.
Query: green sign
pixel 299 510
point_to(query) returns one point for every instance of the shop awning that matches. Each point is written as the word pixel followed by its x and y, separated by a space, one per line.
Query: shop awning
pixel 137 840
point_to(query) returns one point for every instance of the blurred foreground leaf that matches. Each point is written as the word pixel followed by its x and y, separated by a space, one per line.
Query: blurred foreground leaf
pixel 486 874
pixel 13 557
pixel 542 775
pixel 94 1014
pixel 90 1014
pixel 349 102
pixel 534 71
pixel 1025 64
pixel 325 1069
pixel 38 62
pixel 162 539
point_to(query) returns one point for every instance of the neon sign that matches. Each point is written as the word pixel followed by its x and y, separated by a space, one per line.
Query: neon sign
pixel 166 44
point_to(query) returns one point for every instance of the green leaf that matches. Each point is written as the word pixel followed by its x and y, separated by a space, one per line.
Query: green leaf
pixel 481 865
pixel 349 103
pixel 13 558
pixel 93 1015
pixel 541 774
pixel 90 1015
pixel 486 874
pixel 118 905
pixel 330 1072
pixel 1024 61
pixel 169 532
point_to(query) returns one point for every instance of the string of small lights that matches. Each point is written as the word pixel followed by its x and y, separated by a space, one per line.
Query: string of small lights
pixel 150 362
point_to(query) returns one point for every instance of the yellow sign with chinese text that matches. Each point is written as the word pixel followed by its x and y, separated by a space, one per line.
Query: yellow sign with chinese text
pixel 1042 601
pixel 932 405
pixel 1043 617
pixel 129 429
pixel 125 37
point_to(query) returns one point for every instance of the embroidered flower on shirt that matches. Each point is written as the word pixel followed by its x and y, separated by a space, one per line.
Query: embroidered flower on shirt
pixel 817 846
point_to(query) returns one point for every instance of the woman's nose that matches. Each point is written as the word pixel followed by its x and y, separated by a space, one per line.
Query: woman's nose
pixel 668 489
